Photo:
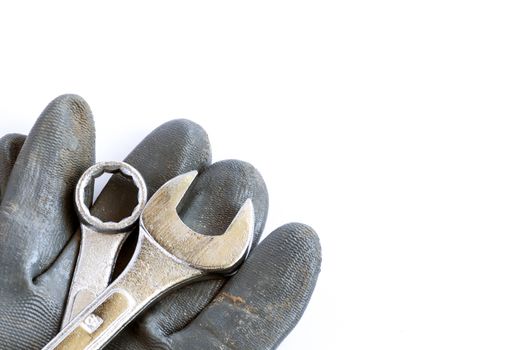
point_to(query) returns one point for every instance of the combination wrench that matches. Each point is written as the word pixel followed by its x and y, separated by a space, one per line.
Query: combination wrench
pixel 100 241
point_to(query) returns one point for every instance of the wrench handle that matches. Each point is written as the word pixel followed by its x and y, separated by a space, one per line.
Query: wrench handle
pixel 151 273
pixel 97 254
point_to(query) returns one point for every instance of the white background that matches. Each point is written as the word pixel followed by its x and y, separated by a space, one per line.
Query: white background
pixel 395 128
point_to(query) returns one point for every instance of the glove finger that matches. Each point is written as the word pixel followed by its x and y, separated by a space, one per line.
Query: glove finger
pixel 262 303
pixel 209 207
pixel 173 148
pixel 10 146
pixel 37 211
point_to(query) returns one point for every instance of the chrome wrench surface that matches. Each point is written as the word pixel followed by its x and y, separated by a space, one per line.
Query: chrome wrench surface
pixel 100 241
pixel 169 254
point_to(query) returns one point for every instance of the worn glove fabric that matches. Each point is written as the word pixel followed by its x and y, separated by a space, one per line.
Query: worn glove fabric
pixel 39 238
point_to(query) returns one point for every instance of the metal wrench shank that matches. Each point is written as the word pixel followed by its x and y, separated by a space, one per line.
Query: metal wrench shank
pixel 151 273
pixel 92 275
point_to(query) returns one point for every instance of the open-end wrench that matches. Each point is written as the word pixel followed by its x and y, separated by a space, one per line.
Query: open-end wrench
pixel 100 241
pixel 168 255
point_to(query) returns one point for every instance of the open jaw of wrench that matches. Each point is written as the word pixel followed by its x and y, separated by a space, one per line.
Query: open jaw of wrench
pixel 100 241
pixel 168 255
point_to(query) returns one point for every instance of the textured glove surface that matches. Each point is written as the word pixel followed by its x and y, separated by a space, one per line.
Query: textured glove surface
pixel 39 239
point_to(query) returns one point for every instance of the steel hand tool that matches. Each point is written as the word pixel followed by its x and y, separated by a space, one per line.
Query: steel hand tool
pixel 100 241
pixel 168 255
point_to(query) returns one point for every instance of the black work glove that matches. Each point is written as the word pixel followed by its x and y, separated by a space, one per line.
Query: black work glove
pixel 255 309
